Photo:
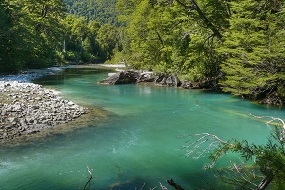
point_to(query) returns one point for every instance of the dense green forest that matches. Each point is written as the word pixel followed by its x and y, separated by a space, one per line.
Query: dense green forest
pixel 102 11
pixel 36 34
pixel 239 43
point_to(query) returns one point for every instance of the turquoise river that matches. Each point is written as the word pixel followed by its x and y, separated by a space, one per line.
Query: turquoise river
pixel 140 143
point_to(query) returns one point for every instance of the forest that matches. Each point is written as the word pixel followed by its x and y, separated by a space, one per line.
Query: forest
pixel 45 32
pixel 100 10
pixel 238 44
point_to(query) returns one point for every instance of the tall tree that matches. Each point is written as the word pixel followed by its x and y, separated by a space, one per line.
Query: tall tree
pixel 107 40
pixel 8 61
pixel 174 35
pixel 32 28
pixel 253 50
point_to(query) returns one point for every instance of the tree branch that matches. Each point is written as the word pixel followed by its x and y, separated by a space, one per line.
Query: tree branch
pixel 89 179
pixel 272 119
pixel 209 140
pixel 208 23
pixel 162 186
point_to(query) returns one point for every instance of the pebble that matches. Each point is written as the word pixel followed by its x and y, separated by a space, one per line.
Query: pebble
pixel 29 108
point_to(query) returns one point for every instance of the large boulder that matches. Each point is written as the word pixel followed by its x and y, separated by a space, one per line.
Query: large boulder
pixel 165 79
pixel 123 77
pixel 146 77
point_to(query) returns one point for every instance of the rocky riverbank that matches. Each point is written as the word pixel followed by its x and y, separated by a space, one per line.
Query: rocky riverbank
pixel 161 79
pixel 27 108
pixel 166 79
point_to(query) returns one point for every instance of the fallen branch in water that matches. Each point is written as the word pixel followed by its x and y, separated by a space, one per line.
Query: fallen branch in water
pixel 272 119
pixel 162 186
pixel 90 177
pixel 175 185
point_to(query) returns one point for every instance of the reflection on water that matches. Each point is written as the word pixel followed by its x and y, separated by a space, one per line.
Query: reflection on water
pixel 138 144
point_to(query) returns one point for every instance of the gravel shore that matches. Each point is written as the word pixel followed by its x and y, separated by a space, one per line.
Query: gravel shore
pixel 28 108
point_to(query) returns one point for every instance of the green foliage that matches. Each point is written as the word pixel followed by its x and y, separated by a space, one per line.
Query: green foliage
pixel 30 32
pixel 102 11
pixel 107 39
pixel 8 61
pixel 80 39
pixel 164 35
pixel 269 160
pixel 253 48
pixel 41 30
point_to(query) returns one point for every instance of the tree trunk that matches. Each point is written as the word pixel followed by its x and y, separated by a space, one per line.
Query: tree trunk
pixel 64 46
pixel 209 25
pixel 206 20
pixel 264 183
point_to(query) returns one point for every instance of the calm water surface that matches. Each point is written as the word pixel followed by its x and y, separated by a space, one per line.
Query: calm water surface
pixel 140 142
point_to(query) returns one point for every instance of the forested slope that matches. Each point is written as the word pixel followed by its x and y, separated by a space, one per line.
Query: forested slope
pixel 102 11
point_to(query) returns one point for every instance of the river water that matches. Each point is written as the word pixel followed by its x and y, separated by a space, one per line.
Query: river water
pixel 139 144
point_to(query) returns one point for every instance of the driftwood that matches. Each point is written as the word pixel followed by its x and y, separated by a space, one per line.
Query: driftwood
pixel 89 179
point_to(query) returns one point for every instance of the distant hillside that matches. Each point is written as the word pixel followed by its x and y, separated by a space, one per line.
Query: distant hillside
pixel 103 11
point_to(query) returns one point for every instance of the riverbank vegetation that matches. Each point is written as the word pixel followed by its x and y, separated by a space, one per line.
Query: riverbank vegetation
pixel 36 34
pixel 260 166
pixel 239 44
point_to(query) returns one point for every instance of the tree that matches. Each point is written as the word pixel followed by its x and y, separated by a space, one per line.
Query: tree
pixel 8 61
pixel 102 11
pixel 253 50
pixel 42 20
pixel 107 40
pixel 269 159
pixel 77 38
pixel 173 36
pixel 202 16
pixel 31 28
